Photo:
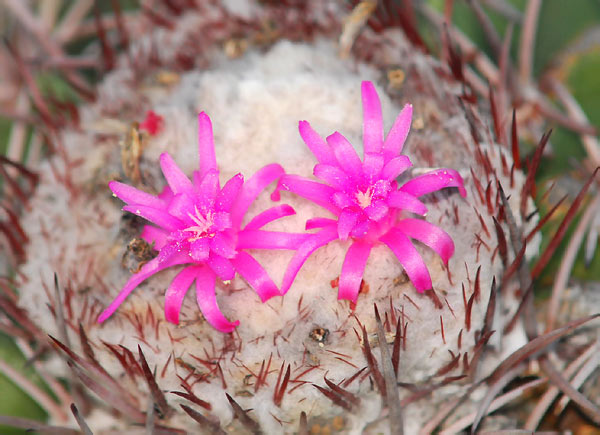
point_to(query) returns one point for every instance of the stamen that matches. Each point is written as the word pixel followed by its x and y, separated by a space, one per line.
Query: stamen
pixel 364 198
pixel 204 224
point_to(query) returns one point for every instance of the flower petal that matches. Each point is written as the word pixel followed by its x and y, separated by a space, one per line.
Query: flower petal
pixel 397 136
pixel 255 275
pixel 176 292
pixel 362 228
pixel 156 216
pixel 353 270
pixel 131 195
pixel 259 239
pixel 372 119
pixel 252 188
pixel 333 176
pixel 346 223
pixel 166 195
pixel 207 191
pixel 395 167
pixel 377 210
pixel 409 258
pixel 221 266
pixel 314 242
pixel 318 193
pixel 405 201
pixel 316 144
pixel 430 235
pixel 229 193
pixel 151 235
pixel 178 181
pixel 223 245
pixel 381 188
pixel 222 220
pixel 371 166
pixel 319 222
pixel 345 154
pixel 434 181
pixel 206 145
pixel 269 215
pixel 207 301
pixel 149 269
pixel 342 200
pixel 181 206
pixel 199 250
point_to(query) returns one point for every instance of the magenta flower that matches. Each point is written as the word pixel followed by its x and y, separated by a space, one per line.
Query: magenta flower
pixel 198 223
pixel 364 197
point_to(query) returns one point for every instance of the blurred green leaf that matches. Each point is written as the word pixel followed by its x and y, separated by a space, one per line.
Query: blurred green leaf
pixel 559 24
pixel 14 401
pixel 584 82
pixel 52 84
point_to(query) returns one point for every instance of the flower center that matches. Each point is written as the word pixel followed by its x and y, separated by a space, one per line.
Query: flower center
pixel 364 198
pixel 203 227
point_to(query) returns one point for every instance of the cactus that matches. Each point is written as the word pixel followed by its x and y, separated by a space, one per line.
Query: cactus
pixel 385 360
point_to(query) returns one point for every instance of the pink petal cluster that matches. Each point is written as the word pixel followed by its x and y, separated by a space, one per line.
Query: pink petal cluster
pixel 198 223
pixel 369 206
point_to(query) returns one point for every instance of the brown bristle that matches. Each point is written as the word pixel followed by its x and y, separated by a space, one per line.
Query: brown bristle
pixel 160 401
pixel 214 427
pixel 243 416
pixel 515 141
pixel 335 398
pixel 502 245
pixel 522 304
pixel 498 128
pixel 345 394
pixel 514 266
pixel 534 164
pixel 431 294
pixel 279 390
pixel 372 363
pixel 455 59
pixel 114 398
pixel 449 366
pixel 491 309
pixel 33 425
pixel 562 228
pixel 396 347
pixel 85 429
pixel 194 399
pixel 538 344
pixel 477 291
pixel 353 377
pixel 132 370
pixel 157 17
pixel 483 224
pixel 488 200
pixel 545 219
pixel 442 329
pixel 468 312
pixel 303 424
pixel 108 54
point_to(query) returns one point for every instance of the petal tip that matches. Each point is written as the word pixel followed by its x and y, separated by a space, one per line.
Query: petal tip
pixel 172 318
pixel 228 328
pixel 367 85
pixel 103 316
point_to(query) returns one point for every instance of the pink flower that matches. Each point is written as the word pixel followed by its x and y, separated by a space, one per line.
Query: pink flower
pixel 198 223
pixel 364 197
pixel 152 123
